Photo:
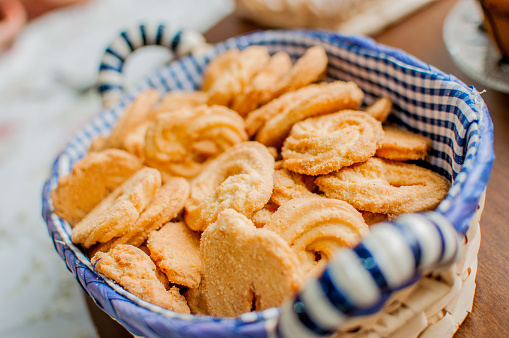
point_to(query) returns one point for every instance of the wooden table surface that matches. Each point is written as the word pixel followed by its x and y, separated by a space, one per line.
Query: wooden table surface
pixel 421 35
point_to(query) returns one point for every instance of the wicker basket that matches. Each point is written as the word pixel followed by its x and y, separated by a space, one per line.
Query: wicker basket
pixel 426 101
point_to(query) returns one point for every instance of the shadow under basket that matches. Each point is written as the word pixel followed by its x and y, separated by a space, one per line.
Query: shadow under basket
pixel 426 101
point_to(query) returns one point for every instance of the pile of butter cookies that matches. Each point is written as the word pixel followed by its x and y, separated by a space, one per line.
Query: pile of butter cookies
pixel 225 200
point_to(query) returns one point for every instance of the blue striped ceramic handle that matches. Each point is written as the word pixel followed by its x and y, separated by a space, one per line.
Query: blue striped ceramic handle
pixel 359 281
pixel 180 42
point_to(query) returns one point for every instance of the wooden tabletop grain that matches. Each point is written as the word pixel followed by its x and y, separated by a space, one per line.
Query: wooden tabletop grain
pixel 421 35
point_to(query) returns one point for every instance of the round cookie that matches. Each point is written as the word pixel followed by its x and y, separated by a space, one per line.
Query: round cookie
pixel 380 109
pixel 245 268
pixel 402 145
pixel 92 179
pixel 176 251
pixel 320 145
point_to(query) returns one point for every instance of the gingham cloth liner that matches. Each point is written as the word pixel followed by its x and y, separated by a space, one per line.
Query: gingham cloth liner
pixel 357 56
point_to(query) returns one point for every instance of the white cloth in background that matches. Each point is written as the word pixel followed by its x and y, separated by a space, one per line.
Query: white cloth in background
pixel 45 95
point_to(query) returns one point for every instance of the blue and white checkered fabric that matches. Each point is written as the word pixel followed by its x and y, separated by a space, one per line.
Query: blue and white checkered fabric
pixel 426 101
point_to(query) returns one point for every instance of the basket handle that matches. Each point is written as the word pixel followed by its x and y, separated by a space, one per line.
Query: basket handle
pixel 358 281
pixel 180 42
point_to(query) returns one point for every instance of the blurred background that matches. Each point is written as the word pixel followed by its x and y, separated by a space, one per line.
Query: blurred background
pixel 47 91
pixel 50 51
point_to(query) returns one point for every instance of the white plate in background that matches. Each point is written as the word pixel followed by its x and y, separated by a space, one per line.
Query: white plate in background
pixel 471 48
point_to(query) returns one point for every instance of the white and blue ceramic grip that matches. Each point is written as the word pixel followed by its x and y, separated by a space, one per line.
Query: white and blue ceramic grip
pixel 358 281
pixel 110 81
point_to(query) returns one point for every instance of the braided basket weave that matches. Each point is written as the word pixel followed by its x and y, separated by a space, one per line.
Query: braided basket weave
pixel 426 101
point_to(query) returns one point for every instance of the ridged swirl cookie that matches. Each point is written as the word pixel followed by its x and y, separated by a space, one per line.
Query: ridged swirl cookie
pixel 256 119
pixel 329 98
pixel 310 67
pixel 316 227
pixel 237 75
pixel 241 178
pixel 385 187
pixel 177 99
pixel 320 145
pixel 263 86
pixel 181 142
pixel 217 66
pixel 136 114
